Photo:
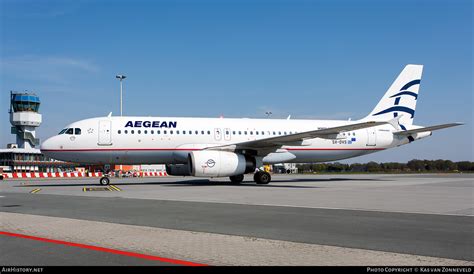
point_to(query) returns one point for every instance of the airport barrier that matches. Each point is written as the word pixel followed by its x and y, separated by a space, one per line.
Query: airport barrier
pixel 154 174
pixel 26 175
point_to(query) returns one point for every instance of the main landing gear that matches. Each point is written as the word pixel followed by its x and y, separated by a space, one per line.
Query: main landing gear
pixel 104 181
pixel 262 177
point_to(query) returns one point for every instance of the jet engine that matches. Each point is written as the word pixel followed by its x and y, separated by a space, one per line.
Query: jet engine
pixel 219 163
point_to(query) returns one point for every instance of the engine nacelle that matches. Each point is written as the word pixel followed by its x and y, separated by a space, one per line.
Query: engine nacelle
pixel 178 170
pixel 219 163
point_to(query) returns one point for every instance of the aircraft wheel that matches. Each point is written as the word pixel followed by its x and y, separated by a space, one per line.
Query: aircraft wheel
pixel 104 181
pixel 237 178
pixel 262 178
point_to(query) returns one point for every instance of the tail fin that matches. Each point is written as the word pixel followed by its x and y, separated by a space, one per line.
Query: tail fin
pixel 400 98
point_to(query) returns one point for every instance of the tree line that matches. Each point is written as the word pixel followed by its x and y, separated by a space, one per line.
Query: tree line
pixel 411 166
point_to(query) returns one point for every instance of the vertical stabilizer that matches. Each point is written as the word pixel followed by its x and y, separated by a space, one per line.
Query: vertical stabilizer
pixel 400 99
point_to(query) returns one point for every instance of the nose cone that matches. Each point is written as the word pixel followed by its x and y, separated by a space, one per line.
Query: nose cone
pixel 47 147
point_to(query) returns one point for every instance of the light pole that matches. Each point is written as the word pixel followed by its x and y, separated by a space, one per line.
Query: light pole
pixel 121 77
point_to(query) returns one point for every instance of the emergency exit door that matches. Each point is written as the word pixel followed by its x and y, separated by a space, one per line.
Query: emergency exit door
pixel 105 133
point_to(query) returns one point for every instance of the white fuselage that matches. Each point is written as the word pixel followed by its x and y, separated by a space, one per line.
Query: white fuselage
pixel 168 140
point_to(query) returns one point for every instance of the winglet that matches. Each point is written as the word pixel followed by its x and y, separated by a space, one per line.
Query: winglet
pixel 110 114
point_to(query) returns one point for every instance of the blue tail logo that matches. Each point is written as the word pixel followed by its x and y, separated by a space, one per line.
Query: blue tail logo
pixel 396 108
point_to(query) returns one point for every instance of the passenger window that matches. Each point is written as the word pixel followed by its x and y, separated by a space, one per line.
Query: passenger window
pixel 202 132
pixel 145 131
pixel 233 132
pixel 139 132
pixel 274 133
pixel 251 132
pixel 240 132
pixel 132 131
pixel 158 132
pixel 184 131
pixel 279 132
pixel 126 131
pixel 177 132
pixel 70 131
pixel 164 131
pixel 152 132
pixel 263 133
pixel 285 132
pixel 190 132
pixel 171 132
pixel 256 132
pixel 119 131
pixel 208 132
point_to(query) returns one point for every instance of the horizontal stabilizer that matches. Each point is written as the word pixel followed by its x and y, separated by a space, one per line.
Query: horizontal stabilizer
pixel 425 129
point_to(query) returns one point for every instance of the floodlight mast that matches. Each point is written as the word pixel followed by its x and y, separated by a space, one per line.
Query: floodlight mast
pixel 121 77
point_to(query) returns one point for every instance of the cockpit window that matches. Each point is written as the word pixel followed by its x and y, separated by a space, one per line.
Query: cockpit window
pixel 77 131
pixel 70 131
pixel 62 131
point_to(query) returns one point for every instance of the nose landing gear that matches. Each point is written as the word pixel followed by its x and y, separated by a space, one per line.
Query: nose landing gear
pixel 104 181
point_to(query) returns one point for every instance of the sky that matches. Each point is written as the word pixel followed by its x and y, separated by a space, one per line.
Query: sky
pixel 311 59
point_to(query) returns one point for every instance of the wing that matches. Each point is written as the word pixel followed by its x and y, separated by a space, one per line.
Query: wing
pixel 266 145
pixel 425 129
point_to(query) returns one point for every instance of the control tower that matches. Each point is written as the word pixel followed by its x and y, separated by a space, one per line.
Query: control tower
pixel 25 118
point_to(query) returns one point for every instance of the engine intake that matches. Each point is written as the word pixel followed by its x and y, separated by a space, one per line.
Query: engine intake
pixel 219 163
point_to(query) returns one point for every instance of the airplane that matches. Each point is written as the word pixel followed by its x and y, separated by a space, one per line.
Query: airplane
pixel 231 147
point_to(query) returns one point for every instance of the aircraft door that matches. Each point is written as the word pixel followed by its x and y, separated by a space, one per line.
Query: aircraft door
pixel 217 134
pixel 371 136
pixel 105 133
pixel 227 135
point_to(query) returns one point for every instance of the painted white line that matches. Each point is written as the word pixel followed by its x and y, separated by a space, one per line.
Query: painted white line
pixel 375 210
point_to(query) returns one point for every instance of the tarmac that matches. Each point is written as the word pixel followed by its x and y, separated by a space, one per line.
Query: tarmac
pixel 369 219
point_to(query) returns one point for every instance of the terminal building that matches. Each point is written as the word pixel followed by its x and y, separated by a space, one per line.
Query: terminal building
pixel 23 155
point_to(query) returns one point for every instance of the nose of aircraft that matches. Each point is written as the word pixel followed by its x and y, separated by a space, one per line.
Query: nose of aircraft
pixel 47 146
